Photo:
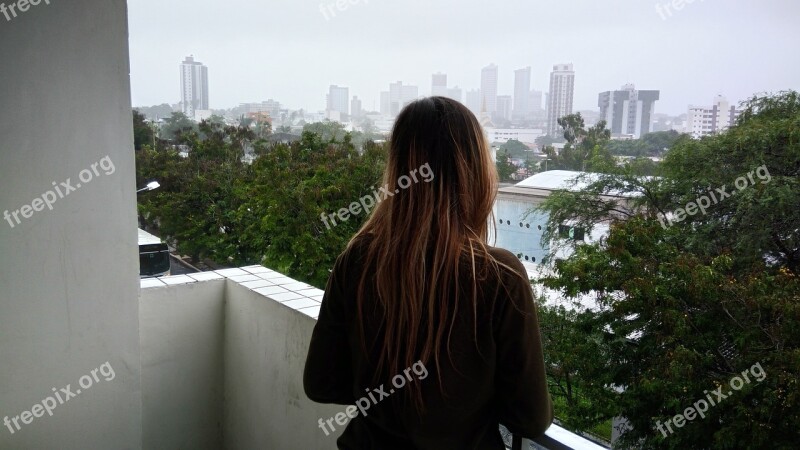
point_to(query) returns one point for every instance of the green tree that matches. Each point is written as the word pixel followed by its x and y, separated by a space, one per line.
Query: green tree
pixel 686 307
pixel 327 130
pixel 651 144
pixel 175 125
pixel 214 207
pixel 515 148
pixel 505 168
pixel 142 132
pixel 585 149
pixel 573 347
pixel 293 186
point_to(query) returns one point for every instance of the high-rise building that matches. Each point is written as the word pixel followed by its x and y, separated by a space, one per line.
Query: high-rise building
pixel 409 94
pixel 386 104
pixel 355 107
pixel 399 96
pixel 503 107
pixel 339 99
pixel 194 86
pixel 628 112
pixel 707 120
pixel 439 88
pixel 489 88
pixel 439 84
pixel 522 92
pixel 474 101
pixel 455 94
pixel 559 101
pixel 535 102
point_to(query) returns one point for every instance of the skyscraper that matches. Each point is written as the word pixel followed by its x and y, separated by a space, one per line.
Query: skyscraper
pixel 489 88
pixel 474 101
pixel 503 107
pixel 386 104
pixel 535 102
pixel 439 84
pixel 399 96
pixel 355 107
pixel 628 111
pixel 194 86
pixel 559 101
pixel 522 89
pixel 339 99
pixel 455 94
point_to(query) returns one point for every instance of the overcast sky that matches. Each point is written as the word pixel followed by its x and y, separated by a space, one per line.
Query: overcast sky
pixel 288 51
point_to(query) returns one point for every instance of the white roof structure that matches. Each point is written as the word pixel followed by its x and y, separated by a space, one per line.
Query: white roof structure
pixel 556 180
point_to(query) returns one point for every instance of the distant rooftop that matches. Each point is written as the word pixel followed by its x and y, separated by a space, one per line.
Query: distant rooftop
pixel 555 180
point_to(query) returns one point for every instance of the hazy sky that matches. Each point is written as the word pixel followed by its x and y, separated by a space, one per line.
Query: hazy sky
pixel 288 51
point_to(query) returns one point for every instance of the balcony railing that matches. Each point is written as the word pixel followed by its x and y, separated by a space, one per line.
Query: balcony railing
pixel 222 361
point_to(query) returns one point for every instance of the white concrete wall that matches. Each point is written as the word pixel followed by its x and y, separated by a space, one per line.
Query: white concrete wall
pixel 68 276
pixel 182 333
pixel 526 239
pixel 265 350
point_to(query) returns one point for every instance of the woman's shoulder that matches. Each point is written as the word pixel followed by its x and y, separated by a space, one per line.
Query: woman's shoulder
pixel 507 260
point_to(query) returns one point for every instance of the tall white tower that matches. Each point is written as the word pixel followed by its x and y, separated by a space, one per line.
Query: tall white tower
pixel 194 86
pixel 559 101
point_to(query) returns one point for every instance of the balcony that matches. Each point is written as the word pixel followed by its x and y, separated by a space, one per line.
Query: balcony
pixel 208 361
pixel 222 363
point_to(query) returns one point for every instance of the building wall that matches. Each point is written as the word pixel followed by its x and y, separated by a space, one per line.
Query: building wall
pixel 194 86
pixel 265 404
pixel 474 101
pixel 527 135
pixel 503 107
pixel 628 111
pixel 439 84
pixel 559 102
pixel 707 120
pixel 68 276
pixel 523 235
pixel 522 92
pixel 489 88
pixel 339 99
pixel 182 336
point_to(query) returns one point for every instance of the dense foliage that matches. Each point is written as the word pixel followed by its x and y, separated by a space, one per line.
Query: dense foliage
pixel 213 206
pixel 650 144
pixel 683 307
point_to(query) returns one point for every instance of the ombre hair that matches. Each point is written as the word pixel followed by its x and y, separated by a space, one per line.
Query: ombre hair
pixel 427 244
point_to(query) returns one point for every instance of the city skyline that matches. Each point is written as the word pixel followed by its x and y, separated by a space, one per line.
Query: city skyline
pixel 371 45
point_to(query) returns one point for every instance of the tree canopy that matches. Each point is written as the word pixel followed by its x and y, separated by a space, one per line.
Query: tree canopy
pixel 214 206
pixel 685 306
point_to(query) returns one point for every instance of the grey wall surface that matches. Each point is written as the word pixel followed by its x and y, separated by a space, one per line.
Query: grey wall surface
pixel 182 374
pixel 68 276
pixel 265 351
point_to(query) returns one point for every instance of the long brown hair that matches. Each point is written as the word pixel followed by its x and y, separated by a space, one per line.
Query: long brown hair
pixel 424 239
